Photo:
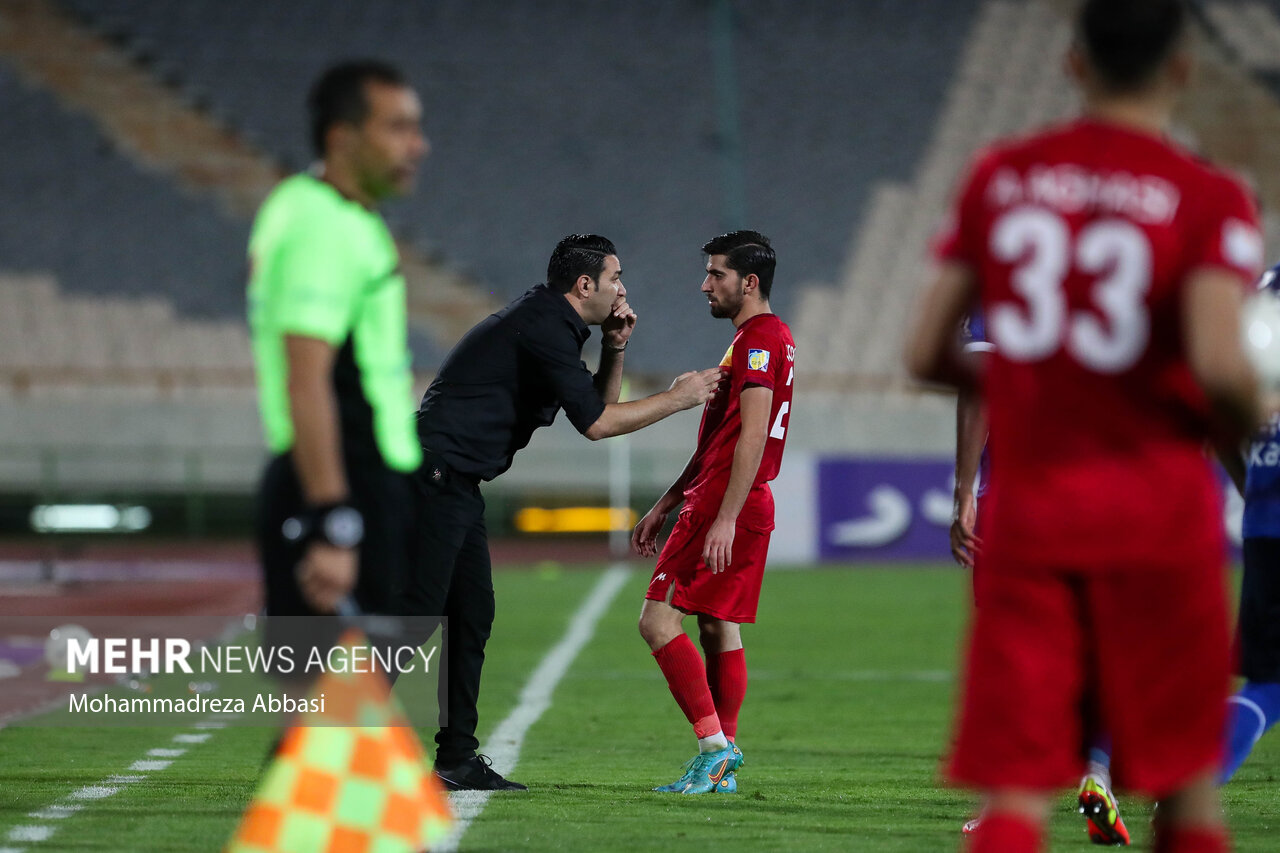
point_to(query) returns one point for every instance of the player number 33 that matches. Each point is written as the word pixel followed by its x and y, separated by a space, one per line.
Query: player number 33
pixel 1114 250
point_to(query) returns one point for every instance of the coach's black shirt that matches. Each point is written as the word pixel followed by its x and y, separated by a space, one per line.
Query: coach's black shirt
pixel 508 376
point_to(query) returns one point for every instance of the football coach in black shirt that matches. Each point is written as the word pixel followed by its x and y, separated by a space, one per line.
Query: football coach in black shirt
pixel 508 376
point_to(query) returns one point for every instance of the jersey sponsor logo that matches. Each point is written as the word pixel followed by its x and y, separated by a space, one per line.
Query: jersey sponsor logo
pixel 1264 454
pixel 1241 244
pixel 1264 450
pixel 757 359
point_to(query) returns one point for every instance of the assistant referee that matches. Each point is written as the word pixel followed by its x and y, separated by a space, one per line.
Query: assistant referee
pixel 328 318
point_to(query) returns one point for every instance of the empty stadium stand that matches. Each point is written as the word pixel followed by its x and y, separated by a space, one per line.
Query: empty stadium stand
pixel 563 116
pixel 76 208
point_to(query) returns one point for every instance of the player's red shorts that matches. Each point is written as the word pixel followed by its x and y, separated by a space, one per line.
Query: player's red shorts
pixel 1148 649
pixel 732 595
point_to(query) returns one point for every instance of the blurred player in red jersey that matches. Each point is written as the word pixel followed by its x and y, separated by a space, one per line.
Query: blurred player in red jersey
pixel 713 563
pixel 1111 268
pixel 1096 801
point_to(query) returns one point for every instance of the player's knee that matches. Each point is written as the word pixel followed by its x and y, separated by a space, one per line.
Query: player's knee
pixel 647 628
pixel 655 630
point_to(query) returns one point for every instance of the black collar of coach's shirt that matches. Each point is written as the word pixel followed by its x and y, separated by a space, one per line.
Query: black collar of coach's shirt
pixel 580 329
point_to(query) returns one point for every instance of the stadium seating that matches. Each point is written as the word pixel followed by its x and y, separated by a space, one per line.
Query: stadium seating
pixel 74 208
pixel 1009 41
pixel 536 136
pixel 1252 29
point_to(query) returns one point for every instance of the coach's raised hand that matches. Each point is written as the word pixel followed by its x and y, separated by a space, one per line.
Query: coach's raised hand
pixel 618 326
pixel 696 387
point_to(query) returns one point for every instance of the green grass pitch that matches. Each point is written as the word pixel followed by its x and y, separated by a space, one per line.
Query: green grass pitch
pixel 848 709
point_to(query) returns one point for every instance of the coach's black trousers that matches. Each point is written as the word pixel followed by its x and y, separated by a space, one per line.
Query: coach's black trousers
pixel 452 577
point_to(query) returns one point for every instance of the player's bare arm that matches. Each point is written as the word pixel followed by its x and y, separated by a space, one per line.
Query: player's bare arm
pixel 1211 306
pixel 688 390
pixel 755 403
pixel 933 351
pixel 644 538
pixel 326 573
pixel 616 331
pixel 971 437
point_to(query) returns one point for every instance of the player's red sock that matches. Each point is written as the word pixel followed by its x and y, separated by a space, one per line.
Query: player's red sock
pixel 687 678
pixel 1005 833
pixel 727 677
pixel 1190 839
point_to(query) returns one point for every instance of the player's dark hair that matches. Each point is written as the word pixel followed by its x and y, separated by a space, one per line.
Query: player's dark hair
pixel 746 253
pixel 339 96
pixel 577 255
pixel 1126 41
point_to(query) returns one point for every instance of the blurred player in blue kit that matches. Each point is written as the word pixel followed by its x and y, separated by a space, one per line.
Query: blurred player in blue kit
pixel 1256 707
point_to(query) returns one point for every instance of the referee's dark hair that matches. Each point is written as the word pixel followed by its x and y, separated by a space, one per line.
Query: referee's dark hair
pixel 339 97
pixel 1127 41
pixel 746 253
pixel 577 255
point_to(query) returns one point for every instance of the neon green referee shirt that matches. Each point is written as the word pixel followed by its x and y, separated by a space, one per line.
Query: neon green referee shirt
pixel 323 266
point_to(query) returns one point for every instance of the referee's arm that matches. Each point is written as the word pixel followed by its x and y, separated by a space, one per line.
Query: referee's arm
pixel 326 573
pixel 317 447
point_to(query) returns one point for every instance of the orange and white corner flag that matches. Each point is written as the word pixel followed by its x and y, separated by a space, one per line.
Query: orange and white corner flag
pixel 350 779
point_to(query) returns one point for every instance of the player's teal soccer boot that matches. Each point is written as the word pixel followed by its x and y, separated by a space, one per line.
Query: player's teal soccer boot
pixel 707 771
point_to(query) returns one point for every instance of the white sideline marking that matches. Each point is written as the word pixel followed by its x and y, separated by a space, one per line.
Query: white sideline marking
pixel 190 738
pixel 30 833
pixel 56 812
pixel 505 741
pixel 109 787
pixel 95 792
pixel 149 765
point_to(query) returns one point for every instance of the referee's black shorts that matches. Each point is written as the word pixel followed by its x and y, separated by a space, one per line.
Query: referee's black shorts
pixel 1260 610
pixel 386 500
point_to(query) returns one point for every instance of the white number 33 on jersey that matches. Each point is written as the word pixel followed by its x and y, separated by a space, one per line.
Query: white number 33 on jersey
pixel 1114 250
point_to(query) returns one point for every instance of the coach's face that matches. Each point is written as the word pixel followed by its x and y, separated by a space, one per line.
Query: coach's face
pixel 603 293
pixel 723 288
pixel 389 144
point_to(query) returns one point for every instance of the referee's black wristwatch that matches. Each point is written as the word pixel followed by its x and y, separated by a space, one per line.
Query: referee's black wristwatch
pixel 337 524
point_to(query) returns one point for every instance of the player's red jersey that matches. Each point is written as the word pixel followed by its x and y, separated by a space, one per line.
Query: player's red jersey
pixel 1082 238
pixel 762 353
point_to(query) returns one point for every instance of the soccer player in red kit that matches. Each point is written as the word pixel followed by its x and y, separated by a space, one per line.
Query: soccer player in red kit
pixel 1110 266
pixel 713 563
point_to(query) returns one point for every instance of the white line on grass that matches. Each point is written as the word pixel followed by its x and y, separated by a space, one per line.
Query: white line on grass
pixel 191 738
pixel 109 787
pixel 56 812
pixel 505 741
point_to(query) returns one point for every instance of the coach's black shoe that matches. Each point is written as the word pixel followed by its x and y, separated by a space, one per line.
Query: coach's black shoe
pixel 475 774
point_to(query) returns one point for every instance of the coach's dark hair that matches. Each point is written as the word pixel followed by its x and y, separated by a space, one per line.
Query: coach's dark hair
pixel 339 96
pixel 577 255
pixel 1126 41
pixel 746 252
